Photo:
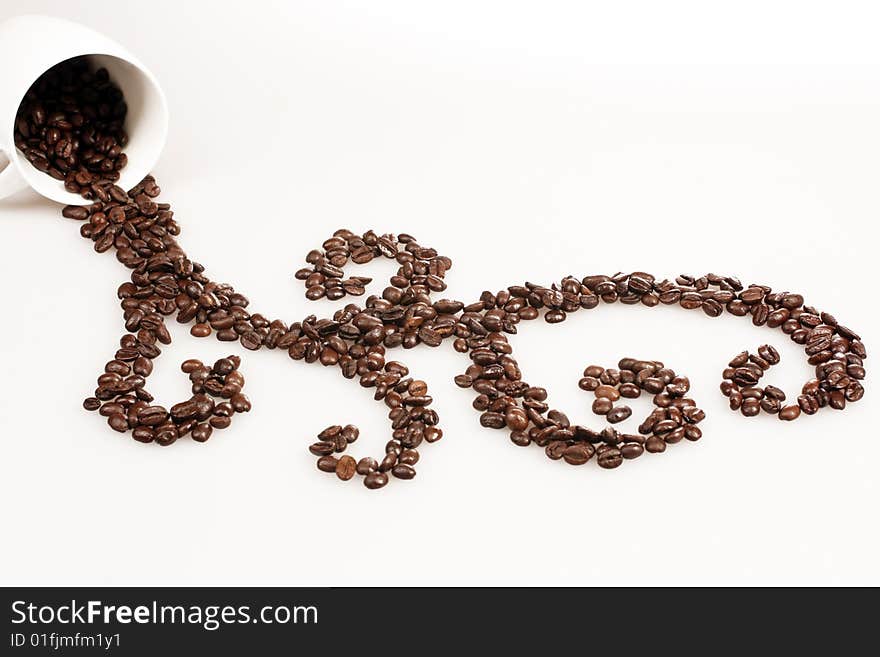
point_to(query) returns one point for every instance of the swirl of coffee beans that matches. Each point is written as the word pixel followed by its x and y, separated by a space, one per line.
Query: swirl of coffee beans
pixel 71 126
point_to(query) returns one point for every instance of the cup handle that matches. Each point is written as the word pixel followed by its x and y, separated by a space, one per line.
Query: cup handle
pixel 10 179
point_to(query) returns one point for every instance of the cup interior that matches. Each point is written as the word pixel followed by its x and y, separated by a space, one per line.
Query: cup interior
pixel 146 124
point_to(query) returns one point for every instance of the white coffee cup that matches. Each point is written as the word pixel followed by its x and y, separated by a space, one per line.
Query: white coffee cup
pixel 31 45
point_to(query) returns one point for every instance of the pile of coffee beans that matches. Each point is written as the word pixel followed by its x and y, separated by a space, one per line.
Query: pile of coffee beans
pixel 70 126
pixel 675 417
pixel 86 110
pixel 335 439
pixel 838 376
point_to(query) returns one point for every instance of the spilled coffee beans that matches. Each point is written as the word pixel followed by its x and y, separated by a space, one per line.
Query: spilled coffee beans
pixel 71 126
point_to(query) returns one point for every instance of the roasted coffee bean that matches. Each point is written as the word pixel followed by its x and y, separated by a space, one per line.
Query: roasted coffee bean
pixel 492 420
pixel 366 465
pixel 375 480
pixel 118 422
pixel 388 462
pixel 610 458
pixel 774 393
pixel 152 416
pixel 578 454
pixel 555 449
pixel 345 468
pixel 655 445
pixel 608 392
pixel 790 412
pixel 322 448
pixel 328 463
pixel 838 400
pixel 854 392
pixel 403 471
pixel 629 390
pixel 750 407
pixel 769 353
pixel 618 414
pixel 588 383
pixel 632 450
pixel 808 404
pixel 143 434
pixel 752 393
pixel 350 433
pixel 166 434
pixel 601 406
pixel 200 330
pixel 202 432
pixel 516 419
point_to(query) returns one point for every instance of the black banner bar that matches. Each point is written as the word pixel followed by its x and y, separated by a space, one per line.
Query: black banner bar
pixel 144 621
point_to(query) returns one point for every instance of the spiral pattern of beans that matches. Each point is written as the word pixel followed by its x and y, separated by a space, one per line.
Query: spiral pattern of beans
pixel 70 125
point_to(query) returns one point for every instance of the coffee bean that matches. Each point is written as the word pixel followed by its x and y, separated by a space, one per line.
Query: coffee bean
pixel 774 393
pixel 750 407
pixel 388 462
pixel 152 416
pixel 555 449
pixel 838 400
pixel 618 414
pixel 607 392
pixel 790 412
pixel 403 471
pixel 322 448
pixel 202 432
pixel 655 445
pixel 588 383
pixel 328 463
pixel 346 468
pixel 601 406
pixel 166 434
pixel 854 391
pixel 375 480
pixel 516 419
pixel 350 433
pixel 118 422
pixel 610 458
pixel 367 465
pixel 492 420
pixel 629 390
pixel 578 454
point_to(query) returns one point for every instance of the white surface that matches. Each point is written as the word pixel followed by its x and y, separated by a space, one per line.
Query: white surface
pixel 60 40
pixel 608 137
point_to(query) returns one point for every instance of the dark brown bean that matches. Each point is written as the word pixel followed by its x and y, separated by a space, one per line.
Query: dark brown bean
pixel 610 458
pixel 790 412
pixel 578 454
pixel 403 471
pixel 375 480
pixel 618 414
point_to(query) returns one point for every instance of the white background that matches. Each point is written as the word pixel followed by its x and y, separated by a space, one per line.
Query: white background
pixel 526 141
